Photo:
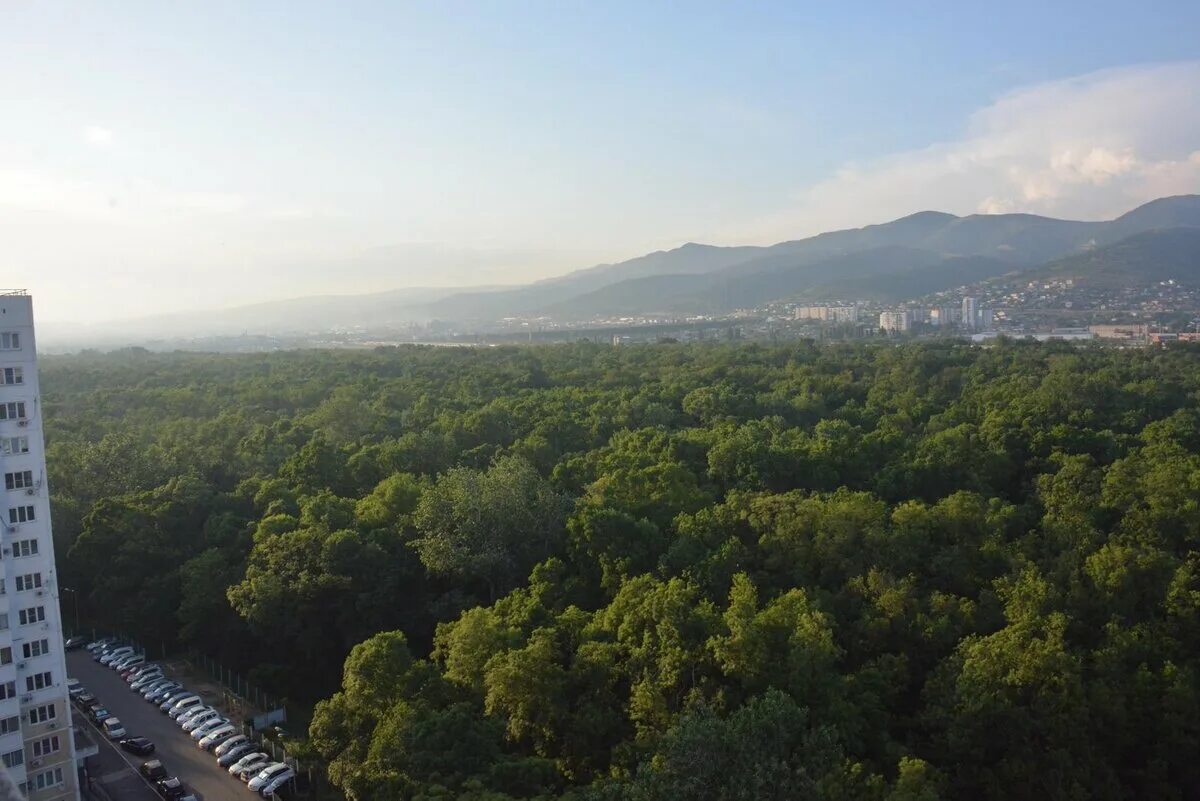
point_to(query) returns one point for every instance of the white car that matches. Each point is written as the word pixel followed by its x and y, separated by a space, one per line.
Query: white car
pixel 275 783
pixel 127 662
pixel 145 680
pixel 193 711
pixel 268 776
pixel 108 657
pixel 197 720
pixel 216 736
pixel 208 727
pixel 177 706
pixel 99 645
pixel 184 705
pixel 249 765
pixel 113 728
pixel 230 744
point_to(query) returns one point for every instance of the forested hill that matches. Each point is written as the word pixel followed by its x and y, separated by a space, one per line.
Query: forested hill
pixel 665 572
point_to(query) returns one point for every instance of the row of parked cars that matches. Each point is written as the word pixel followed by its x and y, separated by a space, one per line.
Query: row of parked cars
pixel 235 751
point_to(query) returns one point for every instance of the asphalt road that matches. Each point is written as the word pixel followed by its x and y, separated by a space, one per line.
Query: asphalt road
pixel 178 752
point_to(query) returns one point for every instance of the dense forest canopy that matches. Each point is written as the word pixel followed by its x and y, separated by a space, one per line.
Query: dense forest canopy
pixel 666 572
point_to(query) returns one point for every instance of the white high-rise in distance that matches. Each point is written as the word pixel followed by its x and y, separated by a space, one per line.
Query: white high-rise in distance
pixel 36 742
pixel 970 314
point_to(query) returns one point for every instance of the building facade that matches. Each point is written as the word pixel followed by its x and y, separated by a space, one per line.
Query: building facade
pixel 36 743
pixel 895 321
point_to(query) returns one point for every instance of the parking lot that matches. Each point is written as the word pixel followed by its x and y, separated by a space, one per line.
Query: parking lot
pixel 179 753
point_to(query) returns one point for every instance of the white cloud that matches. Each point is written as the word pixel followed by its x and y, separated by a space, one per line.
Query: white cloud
pixel 97 136
pixel 1089 147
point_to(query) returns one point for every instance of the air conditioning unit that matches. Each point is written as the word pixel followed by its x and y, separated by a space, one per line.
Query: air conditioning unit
pixel 25 699
pixel 20 666
pixel 35 763
pixel 13 529
pixel 40 593
pixel 30 491
pixel 22 422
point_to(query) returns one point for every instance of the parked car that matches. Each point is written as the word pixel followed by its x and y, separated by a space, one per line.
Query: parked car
pixel 138 745
pixel 153 770
pixel 249 765
pixel 282 778
pixel 85 700
pixel 235 754
pixel 98 645
pixel 162 692
pixel 230 744
pixel 206 727
pixel 143 669
pixel 113 728
pixel 268 775
pixel 170 788
pixel 127 662
pixel 190 723
pixel 110 655
pixel 74 643
pixel 98 713
pixel 192 712
pixel 215 737
pixel 74 687
pixel 177 706
pixel 153 685
pixel 145 680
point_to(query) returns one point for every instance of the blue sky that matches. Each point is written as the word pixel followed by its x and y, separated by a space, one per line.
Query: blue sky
pixel 170 155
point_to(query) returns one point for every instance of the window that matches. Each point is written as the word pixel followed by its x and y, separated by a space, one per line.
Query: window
pixel 5 656
pixel 34 614
pixel 29 581
pixel 2 590
pixel 25 547
pixel 38 681
pixel 3 621
pixel 11 376
pixel 22 479
pixel 9 725
pixel 46 746
pixel 35 648
pixel 14 758
pixel 42 714
pixel 49 778
pixel 10 340
pixel 12 446
pixel 13 410
pixel 8 689
pixel 20 514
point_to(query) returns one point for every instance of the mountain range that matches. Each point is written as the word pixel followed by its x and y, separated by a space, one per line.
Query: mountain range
pixel 913 256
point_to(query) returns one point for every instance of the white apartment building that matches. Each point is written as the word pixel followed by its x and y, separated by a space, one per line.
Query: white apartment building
pixel 36 742
pixel 895 321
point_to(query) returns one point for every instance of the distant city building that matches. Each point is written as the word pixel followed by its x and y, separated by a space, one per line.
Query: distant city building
pixel 944 315
pixel 895 321
pixel 831 314
pixel 970 314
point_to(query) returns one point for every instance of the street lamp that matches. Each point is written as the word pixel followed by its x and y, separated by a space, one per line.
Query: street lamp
pixel 75 600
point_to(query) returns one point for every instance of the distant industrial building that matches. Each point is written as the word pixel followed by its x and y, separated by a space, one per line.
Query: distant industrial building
pixel 1121 331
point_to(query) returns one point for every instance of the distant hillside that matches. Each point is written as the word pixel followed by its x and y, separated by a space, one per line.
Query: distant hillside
pixel 914 255
pixel 898 286
pixel 1141 259
pixel 924 252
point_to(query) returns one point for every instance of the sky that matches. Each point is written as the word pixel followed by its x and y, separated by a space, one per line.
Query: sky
pixel 157 157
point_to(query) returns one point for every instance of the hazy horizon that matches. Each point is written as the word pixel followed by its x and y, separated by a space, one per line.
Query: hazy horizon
pixel 171 159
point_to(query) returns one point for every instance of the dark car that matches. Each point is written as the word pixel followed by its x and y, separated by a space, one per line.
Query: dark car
pixel 171 788
pixel 85 700
pixel 153 770
pixel 75 642
pixel 98 713
pixel 138 745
